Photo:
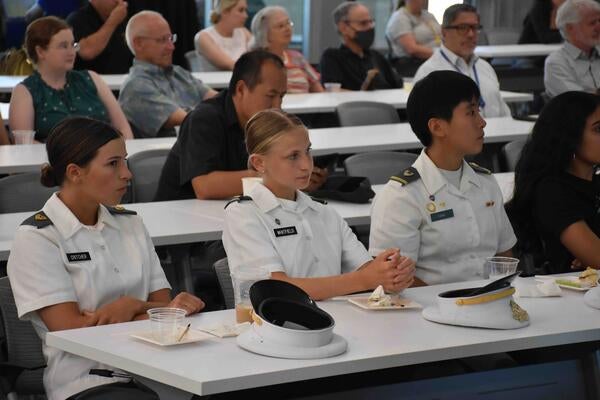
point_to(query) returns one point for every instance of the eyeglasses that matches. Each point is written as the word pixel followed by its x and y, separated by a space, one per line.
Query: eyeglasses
pixel 67 46
pixel 463 29
pixel 282 25
pixel 162 40
pixel 364 23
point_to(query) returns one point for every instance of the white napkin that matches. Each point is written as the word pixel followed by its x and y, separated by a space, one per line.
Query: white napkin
pixel 592 297
pixel 226 330
pixel 546 288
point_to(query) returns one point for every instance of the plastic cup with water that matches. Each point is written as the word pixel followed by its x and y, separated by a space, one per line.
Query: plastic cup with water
pixel 166 323
pixel 242 281
pixel 23 136
pixel 499 267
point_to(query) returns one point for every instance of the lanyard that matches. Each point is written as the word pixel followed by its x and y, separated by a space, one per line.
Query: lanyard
pixel 481 101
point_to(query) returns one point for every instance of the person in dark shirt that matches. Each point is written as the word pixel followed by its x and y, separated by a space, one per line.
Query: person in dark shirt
pixel 539 25
pixel 354 64
pixel 556 203
pixel 99 27
pixel 209 157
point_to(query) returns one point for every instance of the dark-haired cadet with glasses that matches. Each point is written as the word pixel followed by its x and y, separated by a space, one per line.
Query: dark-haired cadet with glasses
pixel 82 262
pixel 460 32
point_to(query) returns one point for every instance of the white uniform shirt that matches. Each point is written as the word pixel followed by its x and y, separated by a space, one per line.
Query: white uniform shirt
pixel 569 68
pixel 488 81
pixel 116 258
pixel 302 238
pixel 448 246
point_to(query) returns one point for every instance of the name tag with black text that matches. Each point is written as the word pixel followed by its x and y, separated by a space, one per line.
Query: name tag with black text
pixel 287 231
pixel 437 216
pixel 83 256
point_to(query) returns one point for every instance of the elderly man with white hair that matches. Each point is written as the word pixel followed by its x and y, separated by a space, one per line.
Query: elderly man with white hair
pixel 157 95
pixel 576 65
pixel 272 30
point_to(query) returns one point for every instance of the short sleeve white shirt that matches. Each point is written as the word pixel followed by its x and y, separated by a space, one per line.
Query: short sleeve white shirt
pixel 67 261
pixel 448 231
pixel 477 69
pixel 302 238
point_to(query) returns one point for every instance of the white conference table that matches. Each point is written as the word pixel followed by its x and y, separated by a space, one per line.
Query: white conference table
pixel 190 221
pixel 343 140
pixel 376 341
pixel 516 50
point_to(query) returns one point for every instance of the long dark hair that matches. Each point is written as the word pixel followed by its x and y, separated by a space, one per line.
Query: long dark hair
pixel 555 138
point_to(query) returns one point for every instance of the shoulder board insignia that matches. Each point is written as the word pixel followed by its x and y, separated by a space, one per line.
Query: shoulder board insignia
pixel 120 210
pixel 39 220
pixel 407 176
pixel 318 200
pixel 479 169
pixel 238 199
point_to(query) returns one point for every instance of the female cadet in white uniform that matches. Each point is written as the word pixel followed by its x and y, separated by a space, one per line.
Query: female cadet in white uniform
pixel 77 263
pixel 446 214
pixel 294 237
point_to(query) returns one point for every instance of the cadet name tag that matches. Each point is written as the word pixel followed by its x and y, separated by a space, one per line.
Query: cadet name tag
pixel 287 231
pixel 83 256
pixel 437 216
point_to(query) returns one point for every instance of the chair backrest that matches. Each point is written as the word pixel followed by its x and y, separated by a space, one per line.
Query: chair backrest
pixel 193 60
pixel 146 167
pixel 224 277
pixel 378 166
pixel 510 154
pixel 23 344
pixel 23 192
pixel 356 113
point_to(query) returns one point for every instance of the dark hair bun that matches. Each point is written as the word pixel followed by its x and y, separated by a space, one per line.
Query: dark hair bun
pixel 48 178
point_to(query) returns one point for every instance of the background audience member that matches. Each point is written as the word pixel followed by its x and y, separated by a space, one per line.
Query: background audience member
pixel 539 26
pixel 221 44
pixel 272 30
pixel 55 91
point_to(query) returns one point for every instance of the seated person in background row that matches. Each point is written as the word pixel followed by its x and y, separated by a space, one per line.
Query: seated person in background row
pixel 413 33
pixel 354 64
pixel 539 25
pixel 576 65
pixel 219 46
pixel 4 138
pixel 444 213
pixel 460 31
pixel 157 95
pixel 78 263
pixel 556 200
pixel 272 30
pixel 295 238
pixel 209 158
pixel 55 91
pixel 99 27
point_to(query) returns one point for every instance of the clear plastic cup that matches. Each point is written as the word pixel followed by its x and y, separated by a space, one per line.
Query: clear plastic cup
pixel 248 183
pixel 332 86
pixel 500 267
pixel 23 136
pixel 242 281
pixel 166 323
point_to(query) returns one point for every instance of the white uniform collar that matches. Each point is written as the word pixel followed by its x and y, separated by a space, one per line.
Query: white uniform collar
pixel 575 52
pixel 434 180
pixel 267 201
pixel 455 59
pixel 67 223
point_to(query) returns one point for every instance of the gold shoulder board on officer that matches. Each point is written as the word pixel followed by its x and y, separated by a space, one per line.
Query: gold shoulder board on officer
pixel 238 199
pixel 407 176
pixel 120 210
pixel 39 220
pixel 480 169
pixel 318 200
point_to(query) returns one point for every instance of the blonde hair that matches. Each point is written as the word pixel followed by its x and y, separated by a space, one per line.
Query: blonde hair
pixel 266 127
pixel 218 7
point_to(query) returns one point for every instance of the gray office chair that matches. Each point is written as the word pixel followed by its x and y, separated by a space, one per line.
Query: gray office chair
pixel 378 166
pixel 23 192
pixel 225 283
pixel 22 373
pixel 510 154
pixel 146 167
pixel 357 113
pixel 193 61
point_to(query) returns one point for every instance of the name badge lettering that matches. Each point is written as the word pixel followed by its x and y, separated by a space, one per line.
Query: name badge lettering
pixel 437 216
pixel 287 231
pixel 83 256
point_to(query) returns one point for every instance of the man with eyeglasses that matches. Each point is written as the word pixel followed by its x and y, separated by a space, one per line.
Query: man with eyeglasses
pixel 99 28
pixel 460 31
pixel 157 95
pixel 354 64
pixel 576 65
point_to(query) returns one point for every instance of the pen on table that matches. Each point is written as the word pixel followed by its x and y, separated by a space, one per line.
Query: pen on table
pixel 187 328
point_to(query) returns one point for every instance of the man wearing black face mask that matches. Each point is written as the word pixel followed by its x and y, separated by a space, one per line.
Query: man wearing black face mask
pixel 354 64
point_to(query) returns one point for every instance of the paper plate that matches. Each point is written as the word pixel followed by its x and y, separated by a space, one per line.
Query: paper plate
pixel 192 336
pixel 249 340
pixel 398 303
pixel 432 313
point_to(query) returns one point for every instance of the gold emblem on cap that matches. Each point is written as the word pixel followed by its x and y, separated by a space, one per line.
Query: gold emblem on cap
pixel 518 313
pixel 408 173
pixel 40 217
pixel 119 207
pixel 430 207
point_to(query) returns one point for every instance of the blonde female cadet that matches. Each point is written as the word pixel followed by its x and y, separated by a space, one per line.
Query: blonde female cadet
pixel 77 263
pixel 295 238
